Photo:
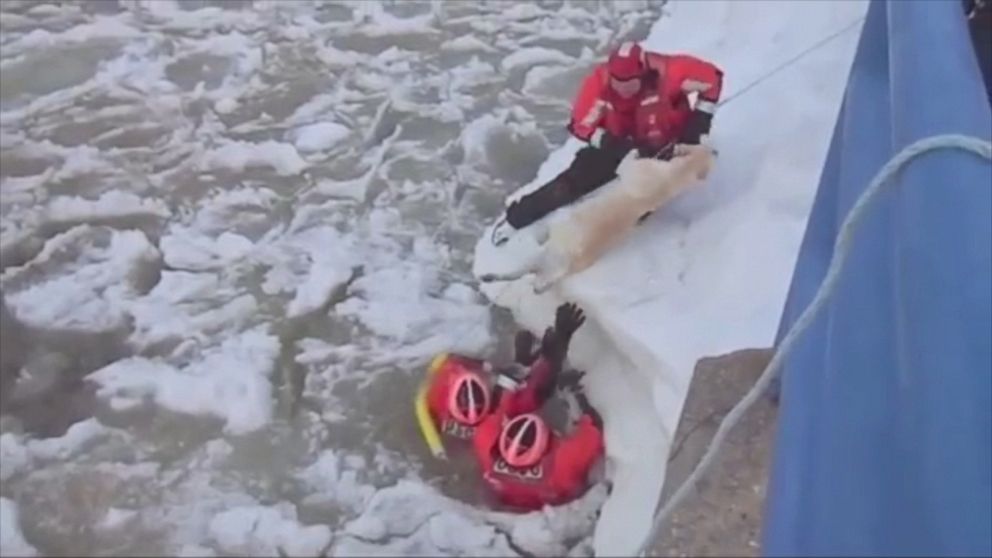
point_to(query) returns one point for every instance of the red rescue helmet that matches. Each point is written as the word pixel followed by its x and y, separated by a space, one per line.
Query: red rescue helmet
pixel 469 399
pixel 524 440
pixel 627 62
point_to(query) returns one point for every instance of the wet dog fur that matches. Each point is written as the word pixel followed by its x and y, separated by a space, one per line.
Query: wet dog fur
pixel 596 225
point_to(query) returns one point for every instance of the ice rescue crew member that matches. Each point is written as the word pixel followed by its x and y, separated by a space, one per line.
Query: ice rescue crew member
pixel 527 466
pixel 460 397
pixel 635 100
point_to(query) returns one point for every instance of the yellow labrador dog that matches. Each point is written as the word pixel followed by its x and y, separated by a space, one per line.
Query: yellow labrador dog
pixel 599 223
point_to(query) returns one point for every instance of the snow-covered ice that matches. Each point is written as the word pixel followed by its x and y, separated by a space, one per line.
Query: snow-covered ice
pixel 708 274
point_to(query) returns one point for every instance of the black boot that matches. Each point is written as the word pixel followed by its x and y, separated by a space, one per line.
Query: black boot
pixel 590 169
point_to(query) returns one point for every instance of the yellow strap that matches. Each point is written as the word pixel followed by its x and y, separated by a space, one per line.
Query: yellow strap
pixel 427 427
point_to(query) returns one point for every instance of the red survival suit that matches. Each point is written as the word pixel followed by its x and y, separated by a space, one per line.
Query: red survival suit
pixel 658 114
pixel 527 398
pixel 653 117
pixel 559 477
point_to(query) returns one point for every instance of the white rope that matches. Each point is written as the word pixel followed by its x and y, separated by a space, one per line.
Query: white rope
pixel 802 54
pixel 979 147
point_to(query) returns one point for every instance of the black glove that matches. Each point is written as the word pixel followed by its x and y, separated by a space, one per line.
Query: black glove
pixel 523 346
pixel 568 319
pixel 698 126
pixel 663 153
pixel 617 146
pixel 517 215
pixel 554 344
pixel 552 347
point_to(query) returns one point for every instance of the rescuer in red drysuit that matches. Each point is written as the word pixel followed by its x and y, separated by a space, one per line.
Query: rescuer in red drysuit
pixel 460 397
pixel 635 100
pixel 527 466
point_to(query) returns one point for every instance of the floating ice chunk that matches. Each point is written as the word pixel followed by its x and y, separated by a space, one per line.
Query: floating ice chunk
pixel 185 305
pixel 114 203
pixel 335 58
pixel 267 531
pixel 459 292
pixel 532 56
pixel 239 155
pixel 102 27
pixel 396 303
pixel 14 455
pixel 17 454
pixel 385 24
pixel 230 382
pixel 88 291
pixel 234 209
pixel 332 478
pixel 467 43
pixel 331 258
pixel 400 509
pixel 226 105
pixel 320 136
pixel 311 264
pixel 79 161
pixel 12 542
pixel 400 298
pixel 117 518
pixel 317 350
pixel 554 82
pixel 73 441
pixel 187 249
pixel 523 11
pixel 352 189
pixel 475 137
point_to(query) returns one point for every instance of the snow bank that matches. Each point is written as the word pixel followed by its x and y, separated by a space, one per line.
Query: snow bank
pixel 708 274
pixel 230 382
pixel 12 541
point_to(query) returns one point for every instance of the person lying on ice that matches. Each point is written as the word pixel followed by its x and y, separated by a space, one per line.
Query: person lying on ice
pixel 636 100
pixel 460 396
pixel 527 466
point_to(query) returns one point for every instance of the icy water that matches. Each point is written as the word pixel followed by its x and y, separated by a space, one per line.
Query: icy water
pixel 233 235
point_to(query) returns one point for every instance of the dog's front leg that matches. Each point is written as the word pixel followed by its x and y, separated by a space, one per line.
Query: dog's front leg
pixel 555 269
